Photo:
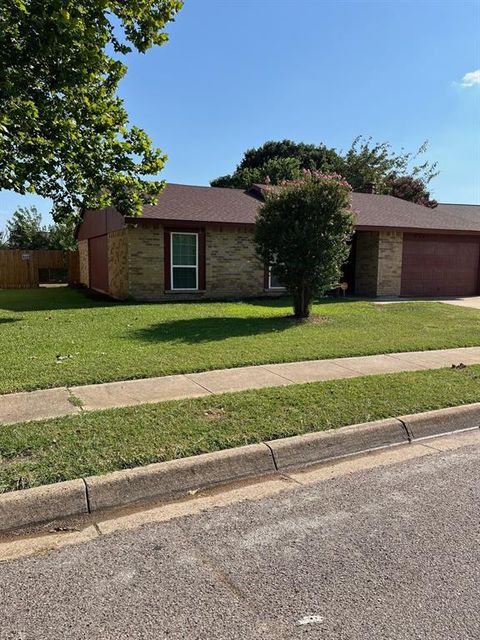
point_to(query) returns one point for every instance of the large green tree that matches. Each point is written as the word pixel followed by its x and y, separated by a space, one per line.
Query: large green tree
pixel 64 132
pixel 24 230
pixel 303 230
pixel 278 161
pixel 364 163
pixel 368 162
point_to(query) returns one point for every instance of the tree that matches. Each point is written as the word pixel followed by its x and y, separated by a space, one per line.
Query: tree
pixel 273 171
pixel 64 133
pixel 25 231
pixel 61 235
pixel 365 162
pixel 278 161
pixel 303 228
pixel 409 188
pixel 310 156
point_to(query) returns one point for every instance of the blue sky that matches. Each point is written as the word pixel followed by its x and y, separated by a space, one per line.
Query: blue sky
pixel 239 72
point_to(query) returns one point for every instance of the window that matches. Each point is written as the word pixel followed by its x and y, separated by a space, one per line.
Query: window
pixel 184 260
pixel 273 281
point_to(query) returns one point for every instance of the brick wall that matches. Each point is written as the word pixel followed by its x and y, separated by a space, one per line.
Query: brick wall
pixel 83 260
pixel 231 267
pixel 366 263
pixel 390 250
pixel 145 258
pixel 378 267
pixel 118 263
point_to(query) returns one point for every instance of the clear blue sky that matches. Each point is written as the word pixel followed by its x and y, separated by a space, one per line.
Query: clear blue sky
pixel 239 72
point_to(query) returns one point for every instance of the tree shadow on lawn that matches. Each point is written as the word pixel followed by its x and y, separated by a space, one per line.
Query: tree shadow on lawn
pixel 51 299
pixel 216 328
pixel 9 320
pixel 204 330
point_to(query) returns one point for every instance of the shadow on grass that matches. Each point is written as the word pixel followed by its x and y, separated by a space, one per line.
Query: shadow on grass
pixel 204 330
pixel 9 320
pixel 49 299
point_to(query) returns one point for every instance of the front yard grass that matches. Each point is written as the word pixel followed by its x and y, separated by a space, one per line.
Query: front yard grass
pixel 38 453
pixel 56 337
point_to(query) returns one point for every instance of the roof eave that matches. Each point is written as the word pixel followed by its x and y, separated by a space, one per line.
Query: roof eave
pixel 175 222
pixel 461 232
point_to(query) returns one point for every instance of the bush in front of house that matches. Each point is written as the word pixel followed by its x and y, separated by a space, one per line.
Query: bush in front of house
pixel 302 231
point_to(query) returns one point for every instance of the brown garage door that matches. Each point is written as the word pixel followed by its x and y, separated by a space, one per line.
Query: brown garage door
pixel 98 258
pixel 440 265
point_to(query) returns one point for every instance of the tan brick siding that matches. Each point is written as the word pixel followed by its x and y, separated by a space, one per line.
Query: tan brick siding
pixel 390 250
pixel 378 265
pixel 118 264
pixel 366 263
pixel 231 267
pixel 83 260
pixel 145 258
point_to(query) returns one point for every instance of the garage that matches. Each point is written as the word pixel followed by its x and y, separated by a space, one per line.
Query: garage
pixel 440 265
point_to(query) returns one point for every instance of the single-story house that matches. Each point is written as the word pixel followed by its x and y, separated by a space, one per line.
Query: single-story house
pixel 198 242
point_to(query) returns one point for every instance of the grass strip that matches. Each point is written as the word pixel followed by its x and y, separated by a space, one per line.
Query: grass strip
pixel 37 453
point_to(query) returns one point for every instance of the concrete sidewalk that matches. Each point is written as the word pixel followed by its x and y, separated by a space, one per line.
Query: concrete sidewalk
pixel 51 403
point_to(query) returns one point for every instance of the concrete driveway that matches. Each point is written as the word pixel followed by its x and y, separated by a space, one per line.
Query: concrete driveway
pixel 472 302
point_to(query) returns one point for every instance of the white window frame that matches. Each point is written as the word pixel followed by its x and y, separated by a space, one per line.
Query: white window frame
pixel 270 281
pixel 183 266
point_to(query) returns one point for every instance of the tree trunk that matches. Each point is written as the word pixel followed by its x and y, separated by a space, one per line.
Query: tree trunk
pixel 302 301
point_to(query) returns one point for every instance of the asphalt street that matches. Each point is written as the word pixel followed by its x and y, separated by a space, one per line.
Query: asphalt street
pixel 385 553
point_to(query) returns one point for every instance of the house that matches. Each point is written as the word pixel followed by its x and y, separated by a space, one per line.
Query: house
pixel 197 242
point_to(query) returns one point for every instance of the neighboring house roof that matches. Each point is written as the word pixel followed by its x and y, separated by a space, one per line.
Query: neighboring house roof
pixel 179 203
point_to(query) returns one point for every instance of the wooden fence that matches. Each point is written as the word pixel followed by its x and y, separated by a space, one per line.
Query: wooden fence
pixel 27 269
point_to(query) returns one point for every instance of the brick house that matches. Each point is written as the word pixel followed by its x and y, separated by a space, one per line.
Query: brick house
pixel 197 242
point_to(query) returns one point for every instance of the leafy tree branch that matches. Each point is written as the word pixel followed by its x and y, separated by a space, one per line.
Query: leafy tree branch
pixel 64 133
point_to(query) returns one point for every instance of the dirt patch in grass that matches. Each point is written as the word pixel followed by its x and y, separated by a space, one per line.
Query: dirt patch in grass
pixel 313 319
pixel 215 413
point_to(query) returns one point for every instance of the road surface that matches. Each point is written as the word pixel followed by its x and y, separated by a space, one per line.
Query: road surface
pixel 389 552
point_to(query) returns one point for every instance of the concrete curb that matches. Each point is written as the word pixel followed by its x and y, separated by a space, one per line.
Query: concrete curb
pixel 311 448
pixel 42 504
pixel 431 423
pixel 176 478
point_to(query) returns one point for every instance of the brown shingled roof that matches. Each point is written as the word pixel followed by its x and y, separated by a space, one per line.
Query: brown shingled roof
pixel 203 204
pixel 185 203
pixel 387 211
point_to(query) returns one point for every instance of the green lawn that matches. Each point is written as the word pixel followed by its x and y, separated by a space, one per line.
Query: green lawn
pixel 54 337
pixel 92 443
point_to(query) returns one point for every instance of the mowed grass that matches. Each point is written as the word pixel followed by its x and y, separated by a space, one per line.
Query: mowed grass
pixel 38 453
pixel 55 337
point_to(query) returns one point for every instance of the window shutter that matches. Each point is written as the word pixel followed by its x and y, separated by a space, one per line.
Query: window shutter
pixel 167 260
pixel 202 260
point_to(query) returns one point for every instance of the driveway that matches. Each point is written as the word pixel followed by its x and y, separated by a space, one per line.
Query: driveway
pixel 471 302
